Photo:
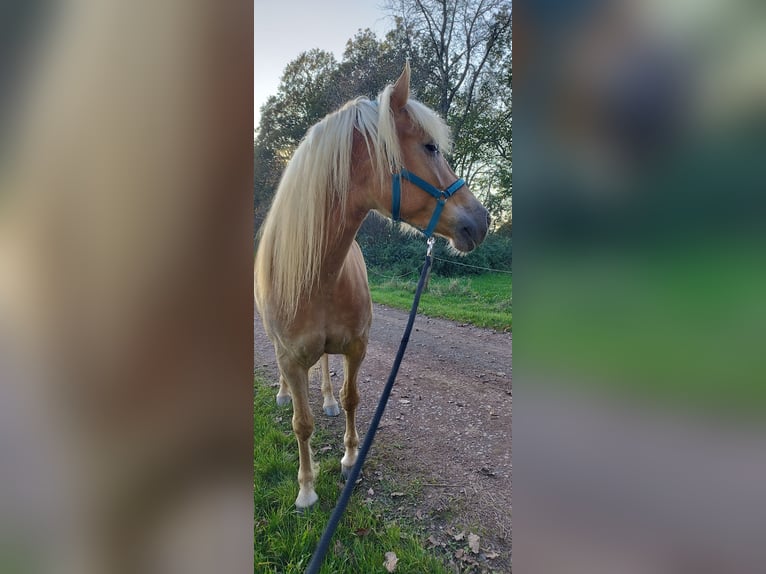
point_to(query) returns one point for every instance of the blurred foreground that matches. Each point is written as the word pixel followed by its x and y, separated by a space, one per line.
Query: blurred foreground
pixel 125 287
pixel 639 275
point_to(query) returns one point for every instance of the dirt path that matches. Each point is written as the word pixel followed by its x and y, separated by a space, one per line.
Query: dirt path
pixel 446 434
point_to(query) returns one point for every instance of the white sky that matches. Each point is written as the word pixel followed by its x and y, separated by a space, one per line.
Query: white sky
pixel 285 28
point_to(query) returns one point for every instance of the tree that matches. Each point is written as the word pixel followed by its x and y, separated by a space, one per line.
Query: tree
pixel 302 98
pixel 464 38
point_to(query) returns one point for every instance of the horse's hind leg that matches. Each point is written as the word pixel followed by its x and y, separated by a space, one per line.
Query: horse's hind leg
pixel 296 377
pixel 330 405
pixel 349 398
pixel 283 395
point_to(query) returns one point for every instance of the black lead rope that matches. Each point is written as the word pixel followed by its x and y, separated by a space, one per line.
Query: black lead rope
pixel 324 542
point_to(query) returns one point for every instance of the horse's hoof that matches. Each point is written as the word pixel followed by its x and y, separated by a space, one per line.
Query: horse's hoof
pixel 331 410
pixel 305 500
pixel 283 400
pixel 345 472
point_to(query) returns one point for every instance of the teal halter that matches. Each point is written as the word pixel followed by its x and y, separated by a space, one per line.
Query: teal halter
pixel 441 196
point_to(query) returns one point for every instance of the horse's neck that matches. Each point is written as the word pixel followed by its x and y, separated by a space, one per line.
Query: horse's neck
pixel 343 229
pixel 345 222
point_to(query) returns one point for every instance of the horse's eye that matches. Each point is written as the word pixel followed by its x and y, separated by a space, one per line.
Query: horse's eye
pixel 433 148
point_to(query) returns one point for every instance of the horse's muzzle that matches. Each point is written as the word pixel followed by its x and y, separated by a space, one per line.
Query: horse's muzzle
pixel 472 230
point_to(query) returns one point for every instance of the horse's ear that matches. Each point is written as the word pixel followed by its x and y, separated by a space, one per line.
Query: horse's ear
pixel 401 92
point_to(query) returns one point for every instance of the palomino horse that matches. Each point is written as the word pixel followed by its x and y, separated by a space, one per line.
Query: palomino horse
pixel 310 278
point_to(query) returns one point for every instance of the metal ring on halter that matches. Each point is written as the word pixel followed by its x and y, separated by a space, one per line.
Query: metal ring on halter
pixel 430 243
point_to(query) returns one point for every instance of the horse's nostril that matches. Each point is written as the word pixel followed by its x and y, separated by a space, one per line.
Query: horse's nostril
pixel 473 231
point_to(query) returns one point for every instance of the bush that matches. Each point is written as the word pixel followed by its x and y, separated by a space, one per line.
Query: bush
pixel 386 248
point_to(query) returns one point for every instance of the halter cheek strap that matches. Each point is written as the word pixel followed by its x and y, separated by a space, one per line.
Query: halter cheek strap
pixel 441 196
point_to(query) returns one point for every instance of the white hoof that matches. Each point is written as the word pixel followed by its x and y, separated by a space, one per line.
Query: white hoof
pixel 346 464
pixel 331 410
pixel 284 400
pixel 348 460
pixel 305 499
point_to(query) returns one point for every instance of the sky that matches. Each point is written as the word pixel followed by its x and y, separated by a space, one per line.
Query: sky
pixel 283 29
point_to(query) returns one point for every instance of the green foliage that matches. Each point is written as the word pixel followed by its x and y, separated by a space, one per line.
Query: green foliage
pixel 385 247
pixel 678 324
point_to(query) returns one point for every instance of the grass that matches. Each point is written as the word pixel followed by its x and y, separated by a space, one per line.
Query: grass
pixel 681 328
pixel 482 300
pixel 284 540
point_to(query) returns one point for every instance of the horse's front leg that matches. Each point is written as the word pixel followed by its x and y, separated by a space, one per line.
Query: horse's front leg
pixel 349 398
pixel 296 377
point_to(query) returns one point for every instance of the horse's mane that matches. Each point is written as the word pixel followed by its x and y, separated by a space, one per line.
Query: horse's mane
pixel 294 235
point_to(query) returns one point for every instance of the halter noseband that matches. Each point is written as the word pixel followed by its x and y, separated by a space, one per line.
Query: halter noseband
pixel 441 196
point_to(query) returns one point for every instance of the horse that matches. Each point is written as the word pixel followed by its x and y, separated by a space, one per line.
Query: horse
pixel 310 283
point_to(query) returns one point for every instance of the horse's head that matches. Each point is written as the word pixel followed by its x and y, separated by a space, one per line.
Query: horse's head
pixel 430 196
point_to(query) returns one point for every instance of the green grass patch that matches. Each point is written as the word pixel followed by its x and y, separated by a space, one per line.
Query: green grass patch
pixel 482 300
pixel 283 540
pixel 681 327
